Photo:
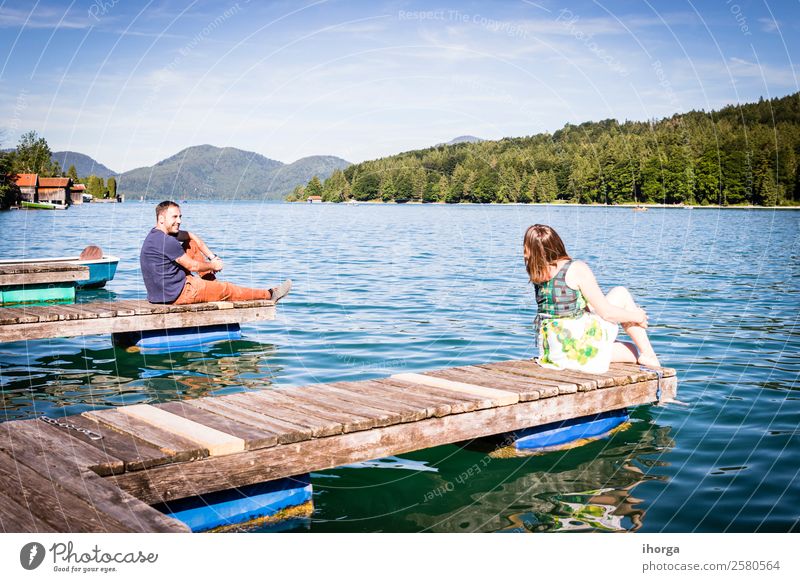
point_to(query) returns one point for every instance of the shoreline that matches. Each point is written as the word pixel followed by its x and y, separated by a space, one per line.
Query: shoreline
pixel 628 205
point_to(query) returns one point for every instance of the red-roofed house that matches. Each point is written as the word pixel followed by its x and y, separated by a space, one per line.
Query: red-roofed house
pixel 55 190
pixel 28 185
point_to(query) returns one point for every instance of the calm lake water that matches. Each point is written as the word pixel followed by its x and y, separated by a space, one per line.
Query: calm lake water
pixel 387 289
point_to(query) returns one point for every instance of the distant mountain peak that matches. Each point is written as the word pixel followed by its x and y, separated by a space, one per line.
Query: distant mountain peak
pixel 461 139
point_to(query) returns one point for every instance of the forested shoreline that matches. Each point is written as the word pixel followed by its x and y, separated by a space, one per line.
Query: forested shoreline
pixel 741 154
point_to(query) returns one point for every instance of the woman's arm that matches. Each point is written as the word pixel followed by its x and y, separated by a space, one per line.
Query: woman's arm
pixel 580 274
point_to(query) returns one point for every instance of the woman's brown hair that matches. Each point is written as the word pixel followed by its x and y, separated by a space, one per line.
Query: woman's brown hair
pixel 542 247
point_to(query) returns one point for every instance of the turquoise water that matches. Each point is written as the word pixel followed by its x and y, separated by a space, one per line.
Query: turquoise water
pixel 387 289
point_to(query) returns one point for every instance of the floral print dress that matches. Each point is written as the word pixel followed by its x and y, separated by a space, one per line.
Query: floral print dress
pixel 570 336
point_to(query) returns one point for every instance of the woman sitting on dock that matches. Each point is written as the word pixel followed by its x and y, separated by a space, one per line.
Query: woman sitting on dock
pixel 577 323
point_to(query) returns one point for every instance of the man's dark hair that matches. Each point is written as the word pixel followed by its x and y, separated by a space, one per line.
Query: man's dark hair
pixel 162 207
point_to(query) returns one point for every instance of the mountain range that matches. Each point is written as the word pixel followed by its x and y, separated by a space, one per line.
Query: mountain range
pixel 210 172
pixel 84 165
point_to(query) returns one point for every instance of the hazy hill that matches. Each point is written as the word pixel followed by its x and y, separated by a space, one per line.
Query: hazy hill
pixel 209 172
pixel 84 164
pixel 461 139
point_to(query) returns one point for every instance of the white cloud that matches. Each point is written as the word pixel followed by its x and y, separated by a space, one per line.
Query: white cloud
pixel 769 25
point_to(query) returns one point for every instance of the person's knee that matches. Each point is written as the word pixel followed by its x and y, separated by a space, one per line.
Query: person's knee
pixel 620 297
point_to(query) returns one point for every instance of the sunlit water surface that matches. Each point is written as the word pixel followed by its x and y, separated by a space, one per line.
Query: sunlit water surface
pixel 386 289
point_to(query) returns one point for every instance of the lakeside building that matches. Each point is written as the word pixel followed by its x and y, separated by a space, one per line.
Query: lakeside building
pixel 55 190
pixel 28 186
pixel 314 199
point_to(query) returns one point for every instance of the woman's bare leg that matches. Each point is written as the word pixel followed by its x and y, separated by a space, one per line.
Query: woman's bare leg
pixel 621 297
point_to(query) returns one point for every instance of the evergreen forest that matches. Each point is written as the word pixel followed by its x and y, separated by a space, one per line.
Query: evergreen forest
pixel 741 154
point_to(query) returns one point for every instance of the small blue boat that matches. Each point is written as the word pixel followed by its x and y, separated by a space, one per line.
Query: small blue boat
pixel 101 271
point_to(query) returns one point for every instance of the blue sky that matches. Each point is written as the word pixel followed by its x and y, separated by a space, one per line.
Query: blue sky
pixel 131 83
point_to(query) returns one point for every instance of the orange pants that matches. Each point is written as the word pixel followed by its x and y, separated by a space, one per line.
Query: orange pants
pixel 207 288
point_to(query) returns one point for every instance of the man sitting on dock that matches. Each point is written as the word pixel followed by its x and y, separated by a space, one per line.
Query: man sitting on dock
pixel 170 255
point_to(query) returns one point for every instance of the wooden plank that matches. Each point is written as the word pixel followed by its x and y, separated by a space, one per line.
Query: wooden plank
pixel 41 273
pixel 63 460
pixel 166 483
pixel 96 310
pixel 526 389
pixel 78 312
pixel 318 425
pixel 416 395
pixel 319 405
pixel 498 397
pixel 286 432
pixel 362 406
pixel 534 370
pixel 134 452
pixel 43 506
pixel 457 401
pixel 167 320
pixel 317 399
pixel 253 437
pixel 175 446
pixel 42 312
pixel 379 396
pixel 562 386
pixel 12 315
pixel 14 518
pixel 12 433
pixel 214 441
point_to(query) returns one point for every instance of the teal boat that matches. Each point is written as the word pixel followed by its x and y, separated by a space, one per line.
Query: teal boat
pixel 101 270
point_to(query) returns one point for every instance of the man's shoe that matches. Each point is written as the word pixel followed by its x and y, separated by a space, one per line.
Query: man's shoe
pixel 281 290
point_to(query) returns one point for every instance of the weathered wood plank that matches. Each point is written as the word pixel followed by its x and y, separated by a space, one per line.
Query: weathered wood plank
pixel 286 432
pixel 214 441
pixel 497 397
pixel 166 483
pixel 15 433
pixel 457 401
pixel 526 389
pixel 41 273
pixel 561 385
pixel 175 446
pixel 319 406
pixel 379 396
pixel 92 310
pixel 64 460
pixel 44 506
pixel 253 437
pixel 77 313
pixel 70 325
pixel 318 425
pixel 413 396
pixel 534 370
pixel 136 453
pixel 12 315
pixel 350 401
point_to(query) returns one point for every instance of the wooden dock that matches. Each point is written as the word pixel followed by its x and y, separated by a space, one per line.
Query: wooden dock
pixel 41 273
pixel 101 470
pixel 39 322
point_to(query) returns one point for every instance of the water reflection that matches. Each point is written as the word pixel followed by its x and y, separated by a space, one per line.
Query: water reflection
pixel 55 383
pixel 589 488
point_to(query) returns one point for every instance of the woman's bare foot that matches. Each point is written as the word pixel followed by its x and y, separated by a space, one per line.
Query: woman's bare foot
pixel 649 360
